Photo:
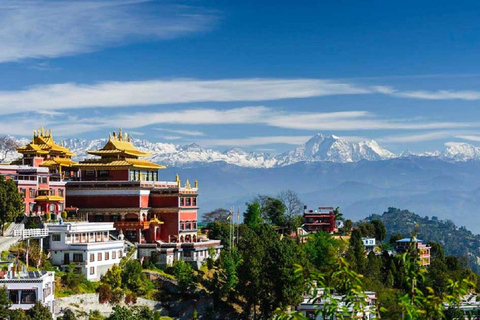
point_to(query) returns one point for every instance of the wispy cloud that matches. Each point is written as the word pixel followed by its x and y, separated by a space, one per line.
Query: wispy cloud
pixel 256 141
pixel 439 95
pixel 156 92
pixel 469 137
pixel 436 135
pixel 49 28
pixel 183 132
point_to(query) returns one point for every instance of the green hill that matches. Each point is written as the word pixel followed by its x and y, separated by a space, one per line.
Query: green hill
pixel 456 241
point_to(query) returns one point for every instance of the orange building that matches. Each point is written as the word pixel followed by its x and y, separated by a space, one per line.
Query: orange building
pixel 121 187
pixel 40 172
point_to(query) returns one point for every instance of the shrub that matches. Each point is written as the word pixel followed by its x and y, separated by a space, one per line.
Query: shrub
pixel 104 293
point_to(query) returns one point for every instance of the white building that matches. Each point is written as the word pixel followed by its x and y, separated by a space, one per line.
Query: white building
pixel 194 253
pixel 369 243
pixel 311 305
pixel 85 244
pixel 26 288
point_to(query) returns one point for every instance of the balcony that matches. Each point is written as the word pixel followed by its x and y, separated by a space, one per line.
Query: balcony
pixel 143 225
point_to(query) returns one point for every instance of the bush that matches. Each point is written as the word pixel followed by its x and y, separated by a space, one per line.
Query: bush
pixel 117 296
pixel 104 293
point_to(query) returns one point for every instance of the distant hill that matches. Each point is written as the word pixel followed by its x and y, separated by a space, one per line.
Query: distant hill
pixel 456 241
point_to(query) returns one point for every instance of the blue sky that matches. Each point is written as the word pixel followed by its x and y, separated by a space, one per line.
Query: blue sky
pixel 260 75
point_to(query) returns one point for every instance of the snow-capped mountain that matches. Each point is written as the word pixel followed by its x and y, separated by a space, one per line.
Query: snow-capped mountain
pixel 461 152
pixel 318 148
pixel 335 149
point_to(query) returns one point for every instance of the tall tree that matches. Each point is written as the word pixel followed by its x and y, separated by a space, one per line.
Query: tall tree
pixel 5 303
pixel 380 232
pixel 11 202
pixel 217 215
pixel 322 250
pixel 7 145
pixel 275 211
pixel 39 312
pixel 252 217
pixel 293 209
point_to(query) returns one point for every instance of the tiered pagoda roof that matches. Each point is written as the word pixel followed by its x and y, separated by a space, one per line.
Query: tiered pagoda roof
pixel 43 145
pixel 119 152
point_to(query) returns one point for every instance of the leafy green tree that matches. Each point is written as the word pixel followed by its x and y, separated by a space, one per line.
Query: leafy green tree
pixel 267 277
pixel 17 314
pixel 220 231
pixel 338 214
pixel 380 233
pixel 347 225
pixel 184 274
pixel 122 313
pixel 252 217
pixel 134 279
pixel 275 211
pixel 11 202
pixel 322 250
pixel 39 312
pixel 72 278
pixel 228 277
pixel 5 302
pixel 113 277
pixel 95 315
pixel 356 252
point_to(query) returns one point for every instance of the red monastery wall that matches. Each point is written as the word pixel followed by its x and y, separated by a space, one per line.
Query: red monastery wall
pixel 104 201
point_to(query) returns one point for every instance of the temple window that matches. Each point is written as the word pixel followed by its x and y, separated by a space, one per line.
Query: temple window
pixel 182 202
pixel 32 193
pixel 23 192
pixel 99 258
pixel 89 173
pixel 103 173
pixel 56 237
pixel 13 295
pixel 77 257
pixel 107 255
pixel 194 225
pixel 194 202
pixel 52 192
pixel 188 202
pixel 92 257
pixel 28 296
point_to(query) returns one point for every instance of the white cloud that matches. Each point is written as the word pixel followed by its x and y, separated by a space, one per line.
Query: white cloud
pixel 49 28
pixel 416 137
pixel 256 141
pixel 155 92
pixel 469 137
pixel 440 95
pixel 192 133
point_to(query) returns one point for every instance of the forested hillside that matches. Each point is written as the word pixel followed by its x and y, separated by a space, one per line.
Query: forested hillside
pixel 456 241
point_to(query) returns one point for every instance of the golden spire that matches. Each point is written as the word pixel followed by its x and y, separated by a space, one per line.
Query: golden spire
pixel 187 184
pixel 43 131
pixel 177 178
pixel 196 184
pixel 120 134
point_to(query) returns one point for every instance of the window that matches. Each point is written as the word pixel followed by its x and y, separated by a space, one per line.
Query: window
pixel 99 256
pixel 92 257
pixel 114 255
pixel 103 173
pixel 28 296
pixel 182 202
pixel 60 192
pixel 60 207
pixel 120 254
pixel 52 207
pixel 56 237
pixel 52 192
pixel 32 193
pixel 92 270
pixel 187 254
pixel 13 295
pixel 77 257
pixel 194 225
pixel 89 173
pixel 107 256
pixel 23 192
pixel 194 202
pixel 188 202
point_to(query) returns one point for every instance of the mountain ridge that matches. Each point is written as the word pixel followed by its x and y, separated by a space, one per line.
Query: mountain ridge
pixel 318 148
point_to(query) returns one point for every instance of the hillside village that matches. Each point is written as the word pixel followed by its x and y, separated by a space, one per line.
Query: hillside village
pixel 110 230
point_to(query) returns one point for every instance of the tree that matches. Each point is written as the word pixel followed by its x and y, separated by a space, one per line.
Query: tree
pixel 184 274
pixel 69 315
pixel 11 202
pixel 7 145
pixel 275 211
pixel 5 302
pixel 293 209
pixel 379 230
pixel 356 251
pixel 322 250
pixel 338 214
pixel 252 217
pixel 347 225
pixel 217 215
pixel 113 277
pixel 39 312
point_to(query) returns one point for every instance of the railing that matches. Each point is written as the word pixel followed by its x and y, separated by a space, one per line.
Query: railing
pixel 31 233
pixel 131 224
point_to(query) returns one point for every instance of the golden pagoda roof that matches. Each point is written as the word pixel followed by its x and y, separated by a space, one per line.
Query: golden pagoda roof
pixel 42 143
pixel 119 144
pixel 127 162
pixel 49 198
pixel 65 162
